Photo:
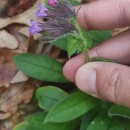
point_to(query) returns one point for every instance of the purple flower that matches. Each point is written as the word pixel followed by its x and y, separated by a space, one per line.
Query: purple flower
pixel 52 3
pixel 56 28
pixel 61 9
pixel 41 12
pixel 35 28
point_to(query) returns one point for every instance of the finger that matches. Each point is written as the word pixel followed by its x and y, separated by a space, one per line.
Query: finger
pixel 105 80
pixel 71 66
pixel 117 49
pixel 105 14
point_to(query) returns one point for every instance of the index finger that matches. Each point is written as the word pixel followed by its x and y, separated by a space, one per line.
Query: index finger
pixel 104 14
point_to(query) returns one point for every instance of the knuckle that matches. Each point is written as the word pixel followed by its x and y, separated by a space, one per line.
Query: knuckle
pixel 112 78
pixel 111 85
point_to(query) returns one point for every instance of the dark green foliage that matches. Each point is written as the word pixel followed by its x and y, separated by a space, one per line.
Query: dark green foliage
pixel 40 67
pixel 98 37
pixel 71 107
pixel 49 96
pixel 35 122
pixel 116 110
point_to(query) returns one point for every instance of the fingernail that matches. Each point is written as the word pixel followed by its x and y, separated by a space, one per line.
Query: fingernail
pixel 86 78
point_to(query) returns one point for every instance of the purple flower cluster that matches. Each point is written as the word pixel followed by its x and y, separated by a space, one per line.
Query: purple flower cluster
pixel 58 20
pixel 36 26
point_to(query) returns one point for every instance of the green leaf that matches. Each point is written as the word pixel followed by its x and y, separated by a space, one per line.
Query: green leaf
pixel 36 120
pixel 74 2
pixel 71 107
pixel 36 123
pixel 61 126
pixel 117 110
pixel 127 124
pixel 48 96
pixel 116 124
pixel 70 42
pixel 36 117
pixel 99 36
pixel 74 45
pixel 101 122
pixel 87 39
pixel 40 67
pixel 87 119
pixel 61 42
pixel 21 126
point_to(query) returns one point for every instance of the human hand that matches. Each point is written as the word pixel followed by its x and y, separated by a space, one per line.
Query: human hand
pixel 108 81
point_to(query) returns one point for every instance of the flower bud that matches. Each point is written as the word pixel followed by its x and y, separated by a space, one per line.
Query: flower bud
pixel 52 3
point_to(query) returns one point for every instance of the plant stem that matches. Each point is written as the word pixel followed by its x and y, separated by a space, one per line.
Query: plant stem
pixel 85 49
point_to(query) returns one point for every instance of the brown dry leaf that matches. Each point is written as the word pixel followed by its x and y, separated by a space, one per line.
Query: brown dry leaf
pixel 23 18
pixel 55 52
pixel 22 39
pixel 3 3
pixel 11 40
pixel 7 68
pixel 19 77
pixel 7 71
pixel 17 28
pixel 6 125
pixel 119 30
pixel 24 31
pixel 7 40
pixel 15 95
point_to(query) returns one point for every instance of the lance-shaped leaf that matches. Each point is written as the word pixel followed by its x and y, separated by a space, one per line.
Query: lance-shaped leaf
pixel 101 122
pixel 40 67
pixel 87 119
pixel 98 37
pixel 61 42
pixel 117 110
pixel 36 123
pixel 71 107
pixel 22 126
pixel 118 124
pixel 48 96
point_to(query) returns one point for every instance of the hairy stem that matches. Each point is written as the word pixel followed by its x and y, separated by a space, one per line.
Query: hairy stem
pixel 84 43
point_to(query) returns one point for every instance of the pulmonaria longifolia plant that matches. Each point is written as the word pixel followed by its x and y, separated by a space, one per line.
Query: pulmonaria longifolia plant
pixel 60 19
pixel 59 24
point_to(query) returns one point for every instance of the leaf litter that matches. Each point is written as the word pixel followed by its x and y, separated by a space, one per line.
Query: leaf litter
pixel 16 88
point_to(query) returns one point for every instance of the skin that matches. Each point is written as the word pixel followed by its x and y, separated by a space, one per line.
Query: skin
pixel 108 81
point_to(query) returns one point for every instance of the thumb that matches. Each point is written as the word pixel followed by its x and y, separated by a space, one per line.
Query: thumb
pixel 108 81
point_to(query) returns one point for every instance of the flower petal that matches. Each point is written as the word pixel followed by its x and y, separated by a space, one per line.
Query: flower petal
pixel 42 11
pixel 35 28
pixel 52 3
